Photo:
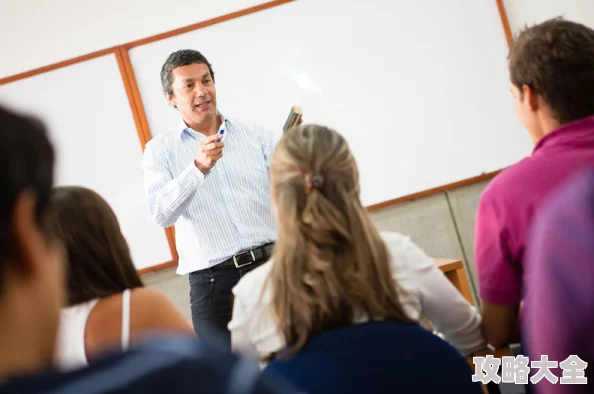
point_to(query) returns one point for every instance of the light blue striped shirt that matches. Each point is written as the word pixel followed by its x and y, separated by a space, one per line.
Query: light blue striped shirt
pixel 215 215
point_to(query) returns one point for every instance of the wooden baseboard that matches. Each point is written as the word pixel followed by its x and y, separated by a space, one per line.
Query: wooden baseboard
pixel 436 190
pixel 158 267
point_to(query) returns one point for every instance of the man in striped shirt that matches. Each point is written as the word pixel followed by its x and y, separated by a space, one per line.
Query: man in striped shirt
pixel 32 293
pixel 220 205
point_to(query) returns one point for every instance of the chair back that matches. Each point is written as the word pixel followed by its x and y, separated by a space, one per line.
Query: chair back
pixel 377 357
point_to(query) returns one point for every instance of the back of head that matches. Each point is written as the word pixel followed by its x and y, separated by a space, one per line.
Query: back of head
pixel 31 260
pixel 556 60
pixel 329 260
pixel 26 165
pixel 100 264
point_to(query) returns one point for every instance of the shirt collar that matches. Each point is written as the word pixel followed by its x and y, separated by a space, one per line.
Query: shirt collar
pixel 573 133
pixel 182 126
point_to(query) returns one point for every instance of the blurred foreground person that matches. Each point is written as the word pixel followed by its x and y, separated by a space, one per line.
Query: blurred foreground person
pixel 32 293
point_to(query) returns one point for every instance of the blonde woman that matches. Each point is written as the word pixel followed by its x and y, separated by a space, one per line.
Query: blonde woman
pixel 331 267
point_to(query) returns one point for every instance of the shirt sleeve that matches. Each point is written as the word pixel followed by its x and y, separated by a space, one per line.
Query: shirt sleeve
pixel 268 141
pixel 441 303
pixel 167 197
pixel 500 280
pixel 238 327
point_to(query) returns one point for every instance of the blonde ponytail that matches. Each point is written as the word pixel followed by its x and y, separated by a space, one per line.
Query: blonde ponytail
pixel 329 260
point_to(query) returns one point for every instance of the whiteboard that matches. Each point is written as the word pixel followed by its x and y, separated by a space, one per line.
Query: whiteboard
pixel 86 110
pixel 419 88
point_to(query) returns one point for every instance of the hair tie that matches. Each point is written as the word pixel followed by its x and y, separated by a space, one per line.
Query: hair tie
pixel 311 182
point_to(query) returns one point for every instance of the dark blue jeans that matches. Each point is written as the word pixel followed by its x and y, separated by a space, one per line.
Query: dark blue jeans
pixel 211 300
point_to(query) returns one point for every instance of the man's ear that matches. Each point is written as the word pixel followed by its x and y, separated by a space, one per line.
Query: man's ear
pixel 532 98
pixel 170 99
pixel 26 232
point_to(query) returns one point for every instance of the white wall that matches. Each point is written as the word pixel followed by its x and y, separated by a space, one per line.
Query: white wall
pixel 36 33
pixel 522 12
pixel 408 65
pixel 96 143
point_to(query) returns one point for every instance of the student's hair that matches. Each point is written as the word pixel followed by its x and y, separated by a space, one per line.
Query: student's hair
pixel 556 59
pixel 99 261
pixel 329 260
pixel 26 164
pixel 183 57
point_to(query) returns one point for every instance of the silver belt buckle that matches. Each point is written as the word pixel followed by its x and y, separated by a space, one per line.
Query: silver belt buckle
pixel 241 254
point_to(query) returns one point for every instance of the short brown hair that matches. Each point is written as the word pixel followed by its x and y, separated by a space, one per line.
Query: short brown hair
pixel 99 261
pixel 181 58
pixel 556 60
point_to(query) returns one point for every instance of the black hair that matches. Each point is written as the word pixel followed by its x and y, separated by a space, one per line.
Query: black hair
pixel 183 57
pixel 26 164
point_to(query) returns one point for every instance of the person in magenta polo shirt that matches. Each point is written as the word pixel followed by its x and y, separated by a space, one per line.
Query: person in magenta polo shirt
pixel 552 79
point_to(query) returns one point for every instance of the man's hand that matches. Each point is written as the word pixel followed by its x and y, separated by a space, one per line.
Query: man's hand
pixel 208 153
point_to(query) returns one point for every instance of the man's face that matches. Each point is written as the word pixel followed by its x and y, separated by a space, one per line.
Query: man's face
pixel 194 93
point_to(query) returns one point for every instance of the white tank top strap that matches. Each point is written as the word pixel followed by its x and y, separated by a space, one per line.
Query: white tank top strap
pixel 70 349
pixel 126 319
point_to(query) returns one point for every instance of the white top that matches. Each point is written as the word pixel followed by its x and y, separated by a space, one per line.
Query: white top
pixel 425 291
pixel 70 349
pixel 228 209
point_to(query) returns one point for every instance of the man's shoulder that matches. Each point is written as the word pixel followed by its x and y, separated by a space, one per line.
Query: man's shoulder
pixel 163 140
pixel 174 364
pixel 511 180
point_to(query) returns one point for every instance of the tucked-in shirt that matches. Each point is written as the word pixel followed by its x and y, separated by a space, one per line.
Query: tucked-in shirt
pixel 169 365
pixel 508 203
pixel 559 308
pixel 424 291
pixel 219 214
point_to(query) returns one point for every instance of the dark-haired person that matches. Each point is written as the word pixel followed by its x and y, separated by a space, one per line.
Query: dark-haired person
pixel 108 307
pixel 331 267
pixel 220 205
pixel 32 293
pixel 552 79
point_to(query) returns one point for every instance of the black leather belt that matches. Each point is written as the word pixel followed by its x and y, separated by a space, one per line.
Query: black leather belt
pixel 248 257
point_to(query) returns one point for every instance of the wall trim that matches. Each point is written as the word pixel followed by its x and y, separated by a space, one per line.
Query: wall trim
pixel 435 190
pixel 140 120
pixel 157 268
pixel 505 22
pixel 55 66
pixel 147 40
pixel 133 94
pixel 209 22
